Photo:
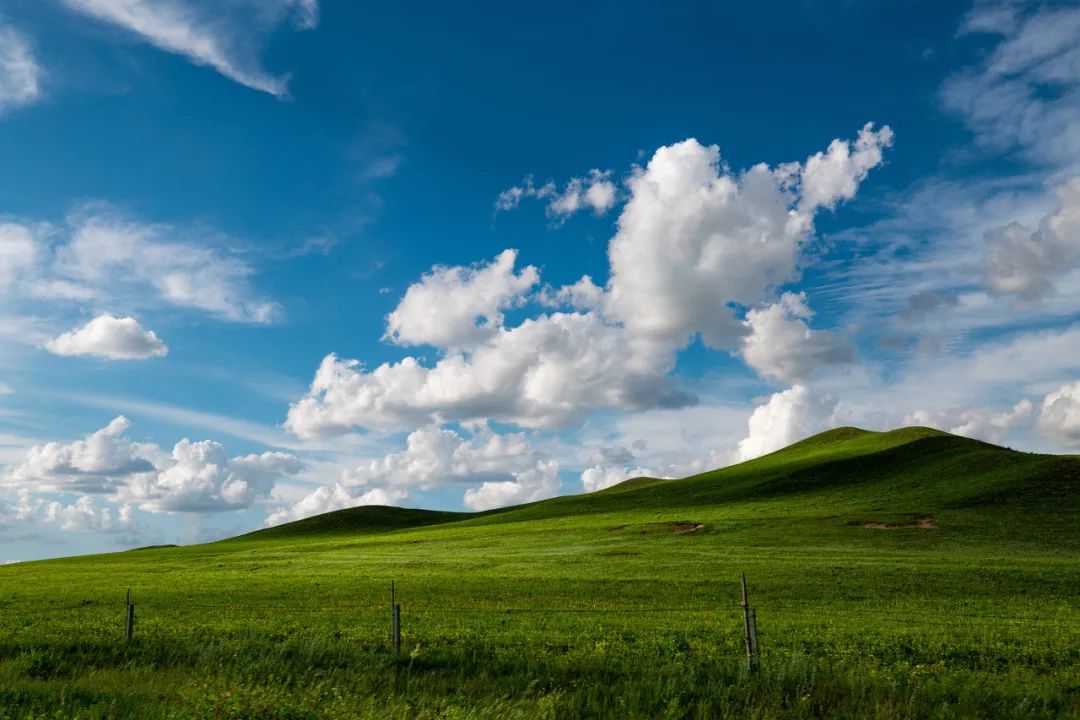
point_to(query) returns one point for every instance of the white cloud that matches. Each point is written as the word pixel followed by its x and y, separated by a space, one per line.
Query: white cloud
pixel 200 477
pixel 783 348
pixel 20 74
pixel 978 423
pixel 786 417
pixel 582 295
pixel 600 477
pixel 1059 416
pixel 101 257
pixel 84 516
pixel 110 337
pixel 507 467
pixel 501 469
pixel 1025 95
pixel 693 239
pixel 18 253
pixel 538 483
pixel 327 498
pixel 1024 262
pixel 458 307
pixel 223 37
pixel 100 463
pixel 835 175
pixel 194 477
pixel 111 252
pixel 434 456
pixel 547 372
pixel 5 389
pixel 594 192
pixel 60 290
pixel 666 443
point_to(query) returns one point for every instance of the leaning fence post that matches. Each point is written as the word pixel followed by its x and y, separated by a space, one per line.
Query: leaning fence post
pixel 749 630
pixel 395 621
pixel 129 617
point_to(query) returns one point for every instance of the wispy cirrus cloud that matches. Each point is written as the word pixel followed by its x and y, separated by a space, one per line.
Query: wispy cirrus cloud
pixel 223 37
pixel 20 73
pixel 104 257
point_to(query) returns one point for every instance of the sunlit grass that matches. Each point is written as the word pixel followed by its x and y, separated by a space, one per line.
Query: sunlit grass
pixel 596 606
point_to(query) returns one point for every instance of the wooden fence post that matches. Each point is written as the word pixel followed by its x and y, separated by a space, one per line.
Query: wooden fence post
pixel 749 630
pixel 129 617
pixel 395 621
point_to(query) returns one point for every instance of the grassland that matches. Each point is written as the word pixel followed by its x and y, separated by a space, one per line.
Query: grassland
pixel 909 574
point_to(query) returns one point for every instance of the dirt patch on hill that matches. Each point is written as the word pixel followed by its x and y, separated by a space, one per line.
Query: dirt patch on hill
pixel 683 528
pixel 923 522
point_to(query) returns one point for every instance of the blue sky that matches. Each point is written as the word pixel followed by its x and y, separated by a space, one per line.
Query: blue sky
pixel 791 217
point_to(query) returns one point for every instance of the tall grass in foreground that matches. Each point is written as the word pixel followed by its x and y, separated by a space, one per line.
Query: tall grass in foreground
pixel 577 668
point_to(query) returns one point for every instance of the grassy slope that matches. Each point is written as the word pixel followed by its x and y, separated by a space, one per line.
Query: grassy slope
pixel 363 520
pixel 849 614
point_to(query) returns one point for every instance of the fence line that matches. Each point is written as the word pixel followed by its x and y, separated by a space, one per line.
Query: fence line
pixel 913 615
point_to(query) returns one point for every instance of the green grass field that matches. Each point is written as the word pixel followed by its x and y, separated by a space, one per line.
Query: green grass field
pixel 909 574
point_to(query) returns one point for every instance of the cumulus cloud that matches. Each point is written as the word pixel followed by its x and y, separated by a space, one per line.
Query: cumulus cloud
pixel 595 192
pixel 110 337
pixel 20 74
pixel 99 463
pixel 781 347
pixel 538 483
pixel 786 417
pixel 434 456
pixel 979 423
pixel 693 240
pixel 329 498
pixel 458 307
pixel 84 515
pixel 547 372
pixel 834 175
pixel 199 477
pixel 194 477
pixel 1025 262
pixel 1059 416
pixel 224 38
pixel 497 469
pixel 507 467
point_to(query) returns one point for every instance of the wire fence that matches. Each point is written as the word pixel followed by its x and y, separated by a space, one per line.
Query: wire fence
pixel 916 615
pixel 368 626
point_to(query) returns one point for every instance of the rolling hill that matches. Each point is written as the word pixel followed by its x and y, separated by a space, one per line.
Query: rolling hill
pixel 848 474
pixel 901 574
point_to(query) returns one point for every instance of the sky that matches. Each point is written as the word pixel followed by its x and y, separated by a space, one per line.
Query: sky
pixel 262 259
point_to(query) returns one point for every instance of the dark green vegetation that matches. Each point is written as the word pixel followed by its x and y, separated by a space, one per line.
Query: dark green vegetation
pixel 909 574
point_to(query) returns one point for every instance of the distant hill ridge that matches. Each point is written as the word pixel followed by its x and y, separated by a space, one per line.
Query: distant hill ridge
pixel 907 471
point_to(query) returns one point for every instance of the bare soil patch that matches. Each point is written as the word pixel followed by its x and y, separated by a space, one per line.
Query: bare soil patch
pixel 923 522
pixel 683 528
